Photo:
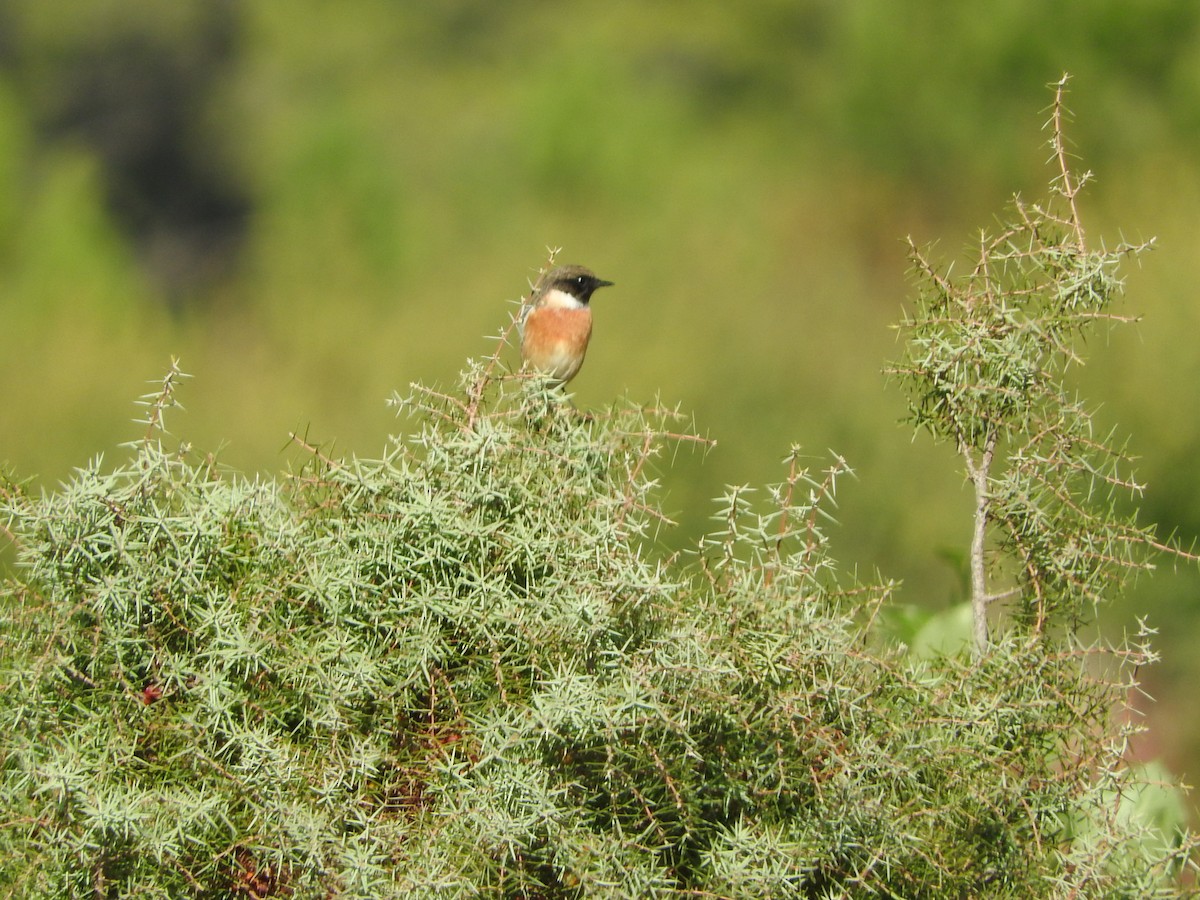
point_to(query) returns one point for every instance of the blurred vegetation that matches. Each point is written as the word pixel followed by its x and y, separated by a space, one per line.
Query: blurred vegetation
pixel 313 207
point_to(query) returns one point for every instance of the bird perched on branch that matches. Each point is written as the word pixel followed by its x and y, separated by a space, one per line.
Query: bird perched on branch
pixel 557 322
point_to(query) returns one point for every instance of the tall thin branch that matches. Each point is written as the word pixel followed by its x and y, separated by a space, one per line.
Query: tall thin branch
pixel 979 588
pixel 1059 142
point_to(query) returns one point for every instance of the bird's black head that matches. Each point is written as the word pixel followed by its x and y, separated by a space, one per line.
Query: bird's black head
pixel 577 281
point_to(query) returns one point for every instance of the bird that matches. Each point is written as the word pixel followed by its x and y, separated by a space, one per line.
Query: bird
pixel 557 323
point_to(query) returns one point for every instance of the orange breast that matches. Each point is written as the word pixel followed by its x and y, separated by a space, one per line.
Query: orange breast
pixel 555 340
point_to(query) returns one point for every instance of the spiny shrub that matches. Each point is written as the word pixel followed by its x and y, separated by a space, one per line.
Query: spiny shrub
pixel 459 669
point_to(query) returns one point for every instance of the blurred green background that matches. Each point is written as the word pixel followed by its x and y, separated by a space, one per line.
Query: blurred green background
pixel 314 203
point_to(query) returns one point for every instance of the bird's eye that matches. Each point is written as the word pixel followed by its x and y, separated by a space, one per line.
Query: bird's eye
pixel 579 279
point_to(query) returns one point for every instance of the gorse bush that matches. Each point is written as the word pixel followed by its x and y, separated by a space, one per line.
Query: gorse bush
pixel 463 669
pixel 456 669
pixel 985 365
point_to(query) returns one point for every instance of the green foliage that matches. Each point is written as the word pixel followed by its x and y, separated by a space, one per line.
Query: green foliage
pixel 457 670
pixel 985 368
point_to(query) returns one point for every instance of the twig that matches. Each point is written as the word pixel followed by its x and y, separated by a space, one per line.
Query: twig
pixel 314 450
pixel 476 391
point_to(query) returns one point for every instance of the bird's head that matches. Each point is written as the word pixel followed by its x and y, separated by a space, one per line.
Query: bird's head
pixel 575 282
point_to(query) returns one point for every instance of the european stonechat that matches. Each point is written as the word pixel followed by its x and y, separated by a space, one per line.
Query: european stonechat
pixel 557 322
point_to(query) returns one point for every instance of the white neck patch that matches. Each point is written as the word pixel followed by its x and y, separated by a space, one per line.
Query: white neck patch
pixel 556 299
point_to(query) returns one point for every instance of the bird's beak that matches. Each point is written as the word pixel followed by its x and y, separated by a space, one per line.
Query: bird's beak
pixel 600 282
